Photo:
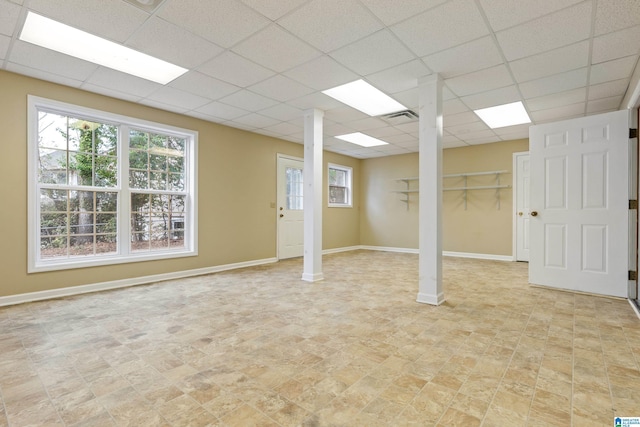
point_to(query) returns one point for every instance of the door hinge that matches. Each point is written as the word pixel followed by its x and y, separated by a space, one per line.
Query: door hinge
pixel 633 275
pixel 633 133
pixel 633 204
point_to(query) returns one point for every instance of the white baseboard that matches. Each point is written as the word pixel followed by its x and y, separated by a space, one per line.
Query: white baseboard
pixel 391 249
pixel 115 284
pixel 444 253
pixel 491 257
pixel 338 250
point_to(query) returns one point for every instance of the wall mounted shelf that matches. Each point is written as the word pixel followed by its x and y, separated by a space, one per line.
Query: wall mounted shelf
pixel 464 188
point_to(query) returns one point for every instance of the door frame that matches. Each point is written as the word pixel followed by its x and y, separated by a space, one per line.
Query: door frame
pixel 514 198
pixel 279 158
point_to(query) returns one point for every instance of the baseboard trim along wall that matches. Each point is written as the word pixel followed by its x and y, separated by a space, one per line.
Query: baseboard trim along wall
pixel 491 257
pixel 115 284
pixel 143 280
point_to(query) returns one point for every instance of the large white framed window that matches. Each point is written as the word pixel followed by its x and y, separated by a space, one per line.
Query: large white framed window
pixel 107 189
pixel 340 186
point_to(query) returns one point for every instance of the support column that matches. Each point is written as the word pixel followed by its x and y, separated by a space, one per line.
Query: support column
pixel 430 195
pixel 312 270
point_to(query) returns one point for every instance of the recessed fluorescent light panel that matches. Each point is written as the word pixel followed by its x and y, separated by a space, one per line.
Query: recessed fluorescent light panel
pixel 364 97
pixel 362 139
pixel 62 38
pixel 504 115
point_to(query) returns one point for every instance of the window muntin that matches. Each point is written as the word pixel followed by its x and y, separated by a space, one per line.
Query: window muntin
pixel 89 207
pixel 340 183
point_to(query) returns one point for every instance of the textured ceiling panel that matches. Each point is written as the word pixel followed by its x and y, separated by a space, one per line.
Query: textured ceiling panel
pixel 257 64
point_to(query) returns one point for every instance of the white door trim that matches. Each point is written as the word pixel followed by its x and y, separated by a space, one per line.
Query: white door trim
pixel 514 198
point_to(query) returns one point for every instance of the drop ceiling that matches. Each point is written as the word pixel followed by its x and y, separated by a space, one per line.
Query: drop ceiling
pixel 258 64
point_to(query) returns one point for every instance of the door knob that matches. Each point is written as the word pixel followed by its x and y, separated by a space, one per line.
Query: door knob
pixel 534 213
pixel 281 215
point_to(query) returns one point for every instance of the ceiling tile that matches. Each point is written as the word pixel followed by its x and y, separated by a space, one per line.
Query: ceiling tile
pixel 508 13
pixel 454 144
pixel 392 11
pixel 383 132
pixel 222 111
pixel 127 96
pixel 282 112
pixel 558 113
pixel 234 69
pixel 408 98
pixel 315 100
pixel 9 14
pixel 466 58
pixel 442 27
pixel 511 130
pixel 569 26
pixel 453 106
pixel 552 62
pixel 113 20
pixel 166 41
pixel 401 78
pixel 613 15
pixel 608 89
pixel 42 75
pixel 374 53
pixel 203 85
pixel 331 24
pixel 613 70
pixel 276 49
pixel 616 45
pixel 367 123
pixel 284 128
pixel 554 84
pixel 468 128
pixel 227 24
pixel 403 140
pixel 281 88
pixel 321 73
pixel 344 114
pixel 522 134
pixel 172 96
pixel 163 106
pixel 122 82
pixel 4 46
pixel 256 120
pixel 604 104
pixel 461 118
pixel 481 140
pixel 557 100
pixel 32 56
pixel 247 99
pixel 503 95
pixel 480 81
pixel 273 9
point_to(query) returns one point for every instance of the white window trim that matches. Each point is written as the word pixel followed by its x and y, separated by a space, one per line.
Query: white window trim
pixel 124 255
pixel 349 171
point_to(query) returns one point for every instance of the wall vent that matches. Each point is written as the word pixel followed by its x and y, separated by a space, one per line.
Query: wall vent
pixel 401 117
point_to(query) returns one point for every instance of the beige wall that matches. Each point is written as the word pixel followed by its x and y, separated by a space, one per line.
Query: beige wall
pixel 480 228
pixel 236 186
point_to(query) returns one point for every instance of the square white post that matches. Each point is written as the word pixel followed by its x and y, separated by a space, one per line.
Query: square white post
pixel 430 196
pixel 312 270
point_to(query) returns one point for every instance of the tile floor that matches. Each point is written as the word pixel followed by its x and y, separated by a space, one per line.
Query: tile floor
pixel 260 347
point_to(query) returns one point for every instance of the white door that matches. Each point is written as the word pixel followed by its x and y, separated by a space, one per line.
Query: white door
pixel 522 186
pixel 579 204
pixel 290 207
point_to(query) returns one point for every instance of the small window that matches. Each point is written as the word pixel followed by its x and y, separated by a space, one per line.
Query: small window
pixel 340 187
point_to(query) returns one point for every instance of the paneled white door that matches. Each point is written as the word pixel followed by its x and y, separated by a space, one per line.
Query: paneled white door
pixel 290 207
pixel 579 204
pixel 522 210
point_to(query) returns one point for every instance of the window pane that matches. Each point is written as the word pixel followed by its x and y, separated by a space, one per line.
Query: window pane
pixel 106 168
pixel 53 200
pixel 106 243
pixel 337 194
pixel 337 177
pixel 52 166
pixel 138 139
pixel 294 188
